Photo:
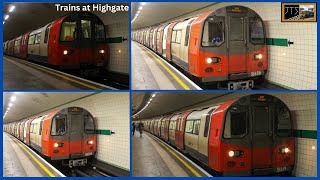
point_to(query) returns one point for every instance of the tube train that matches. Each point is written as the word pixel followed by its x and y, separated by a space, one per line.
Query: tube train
pixel 67 135
pixel 226 46
pixel 251 135
pixel 74 41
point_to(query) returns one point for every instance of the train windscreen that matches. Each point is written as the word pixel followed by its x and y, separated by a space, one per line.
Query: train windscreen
pixel 213 32
pixel 236 122
pixel 256 31
pixel 68 31
pixel 99 32
pixel 283 122
pixel 89 124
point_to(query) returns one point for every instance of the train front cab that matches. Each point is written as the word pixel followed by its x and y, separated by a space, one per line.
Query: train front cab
pixel 228 44
pixel 256 138
pixel 81 42
pixel 72 136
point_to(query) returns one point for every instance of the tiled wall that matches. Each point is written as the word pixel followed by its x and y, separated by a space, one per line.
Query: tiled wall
pixel 292 67
pixel 304 110
pixel 117 25
pixel 111 112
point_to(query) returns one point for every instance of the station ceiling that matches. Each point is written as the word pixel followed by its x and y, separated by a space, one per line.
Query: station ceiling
pixel 154 13
pixel 30 16
pixel 32 103
pixel 166 102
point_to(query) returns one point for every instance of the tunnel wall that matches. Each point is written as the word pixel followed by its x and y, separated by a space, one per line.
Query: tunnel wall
pixel 294 66
pixel 303 107
pixel 117 26
pixel 111 112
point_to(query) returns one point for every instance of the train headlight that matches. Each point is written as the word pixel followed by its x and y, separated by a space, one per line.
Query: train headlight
pixel 213 60
pixel 101 51
pixel 90 142
pixel 284 150
pixel 58 144
pixel 66 52
pixel 257 56
pixel 231 153
pixel 236 153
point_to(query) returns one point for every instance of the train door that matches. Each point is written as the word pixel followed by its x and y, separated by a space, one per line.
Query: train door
pixel 180 131
pixel 237 44
pixel 168 41
pixel 44 44
pixel 164 40
pixel 262 136
pixel 25 131
pixel 75 132
pixel 87 45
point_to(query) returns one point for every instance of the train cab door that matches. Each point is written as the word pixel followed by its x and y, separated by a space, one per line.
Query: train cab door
pixel 87 44
pixel 44 44
pixel 75 120
pixel 179 135
pixel 262 136
pixel 237 43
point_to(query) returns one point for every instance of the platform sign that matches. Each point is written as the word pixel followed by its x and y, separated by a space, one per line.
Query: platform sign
pixel 299 12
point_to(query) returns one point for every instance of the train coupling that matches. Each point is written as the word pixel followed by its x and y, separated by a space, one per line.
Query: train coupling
pixel 241 85
pixel 77 162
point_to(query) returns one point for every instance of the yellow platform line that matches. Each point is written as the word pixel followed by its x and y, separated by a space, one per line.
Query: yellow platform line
pixel 35 159
pixel 181 160
pixel 168 70
pixel 66 78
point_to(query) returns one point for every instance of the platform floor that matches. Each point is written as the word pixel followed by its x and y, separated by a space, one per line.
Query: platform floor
pixel 151 157
pixel 19 161
pixel 150 71
pixel 22 75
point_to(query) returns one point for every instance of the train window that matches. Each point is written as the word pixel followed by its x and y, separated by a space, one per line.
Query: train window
pixel 196 127
pixel 235 124
pixel 31 39
pixel 256 31
pixel 46 34
pixel 189 126
pixel 89 124
pixel 236 29
pixel 207 123
pixel 213 32
pixel 186 40
pixel 283 122
pixel 86 29
pixel 17 42
pixel 40 129
pixel 58 126
pixel 68 31
pixel 99 31
pixel 174 35
pixel 37 39
pixel 174 125
pixel 178 38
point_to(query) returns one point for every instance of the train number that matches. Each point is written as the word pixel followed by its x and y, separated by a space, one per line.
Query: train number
pixel 256 73
pixel 281 169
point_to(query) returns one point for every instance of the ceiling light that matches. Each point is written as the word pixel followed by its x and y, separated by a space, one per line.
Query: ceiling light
pixel 138 12
pixel 3 22
pixel 13 98
pixel 6 17
pixel 153 95
pixel 140 8
pixel 143 3
pixel 12 7
pixel 10 104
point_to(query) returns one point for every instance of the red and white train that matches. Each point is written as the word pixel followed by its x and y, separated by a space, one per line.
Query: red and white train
pixel 74 41
pixel 67 135
pixel 251 135
pixel 226 46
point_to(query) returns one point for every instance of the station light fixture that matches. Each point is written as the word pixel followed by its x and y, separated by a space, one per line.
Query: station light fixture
pixel 13 98
pixel 6 17
pixel 140 8
pixel 12 7
pixel 10 104
pixel 3 22
pixel 143 3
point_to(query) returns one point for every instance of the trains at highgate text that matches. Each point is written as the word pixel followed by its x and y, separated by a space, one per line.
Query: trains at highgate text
pixel 74 41
pixel 67 135
pixel 248 136
pixel 226 46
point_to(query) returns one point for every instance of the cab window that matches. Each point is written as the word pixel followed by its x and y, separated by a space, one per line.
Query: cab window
pixel 89 124
pixel 68 31
pixel 86 29
pixel 58 126
pixel 256 31
pixel 235 123
pixel 99 31
pixel 283 122
pixel 213 32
